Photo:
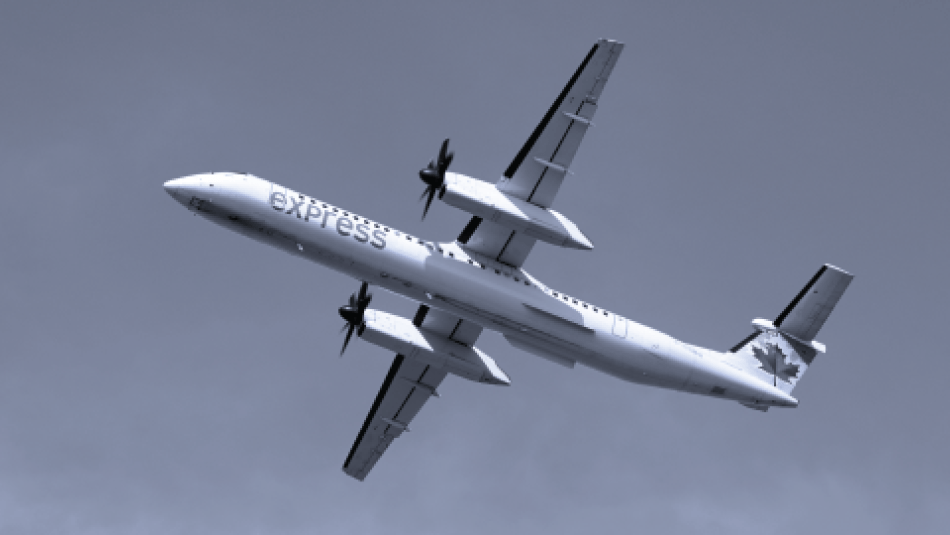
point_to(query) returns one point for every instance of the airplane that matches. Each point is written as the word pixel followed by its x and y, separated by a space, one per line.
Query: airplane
pixel 478 281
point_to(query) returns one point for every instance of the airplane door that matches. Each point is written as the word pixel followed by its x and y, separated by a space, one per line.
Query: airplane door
pixel 620 326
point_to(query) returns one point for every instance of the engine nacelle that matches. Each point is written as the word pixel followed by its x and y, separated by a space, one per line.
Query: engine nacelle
pixel 485 201
pixel 402 336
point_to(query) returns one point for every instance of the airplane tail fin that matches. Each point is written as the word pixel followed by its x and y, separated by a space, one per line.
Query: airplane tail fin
pixel 780 351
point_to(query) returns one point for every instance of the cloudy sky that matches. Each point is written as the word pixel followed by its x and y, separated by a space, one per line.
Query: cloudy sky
pixel 159 375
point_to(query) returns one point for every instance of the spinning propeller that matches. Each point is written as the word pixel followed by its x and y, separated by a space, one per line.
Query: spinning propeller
pixel 434 175
pixel 353 313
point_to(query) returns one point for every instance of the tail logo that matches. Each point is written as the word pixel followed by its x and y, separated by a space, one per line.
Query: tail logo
pixel 772 360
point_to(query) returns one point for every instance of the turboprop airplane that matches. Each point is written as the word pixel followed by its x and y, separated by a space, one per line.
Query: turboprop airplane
pixel 477 281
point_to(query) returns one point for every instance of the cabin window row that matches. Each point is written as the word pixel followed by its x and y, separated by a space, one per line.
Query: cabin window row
pixel 576 302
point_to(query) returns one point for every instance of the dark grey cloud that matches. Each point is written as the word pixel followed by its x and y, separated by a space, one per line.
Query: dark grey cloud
pixel 159 375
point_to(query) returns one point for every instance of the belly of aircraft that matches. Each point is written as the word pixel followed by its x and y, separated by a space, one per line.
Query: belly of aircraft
pixel 406 268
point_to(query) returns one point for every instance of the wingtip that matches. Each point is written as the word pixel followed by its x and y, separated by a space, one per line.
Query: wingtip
pixel 355 476
pixel 836 268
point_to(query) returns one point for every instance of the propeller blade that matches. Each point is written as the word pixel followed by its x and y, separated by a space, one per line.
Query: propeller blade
pixel 363 288
pixel 431 193
pixel 353 313
pixel 346 341
pixel 434 175
pixel 445 157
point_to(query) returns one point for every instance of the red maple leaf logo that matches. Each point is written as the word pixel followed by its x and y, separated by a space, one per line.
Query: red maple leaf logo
pixel 772 360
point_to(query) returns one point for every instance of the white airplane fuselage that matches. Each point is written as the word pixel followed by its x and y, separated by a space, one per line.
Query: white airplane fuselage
pixel 445 276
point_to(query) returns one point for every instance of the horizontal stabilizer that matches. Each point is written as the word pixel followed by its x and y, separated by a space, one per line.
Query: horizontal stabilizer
pixel 805 315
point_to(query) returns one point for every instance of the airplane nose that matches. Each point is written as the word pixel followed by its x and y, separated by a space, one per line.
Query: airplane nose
pixel 181 189
pixel 173 187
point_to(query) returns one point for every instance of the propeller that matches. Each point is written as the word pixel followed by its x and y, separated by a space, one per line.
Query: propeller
pixel 434 175
pixel 353 312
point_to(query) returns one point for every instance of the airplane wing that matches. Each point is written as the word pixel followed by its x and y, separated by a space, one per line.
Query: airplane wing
pixel 536 173
pixel 535 176
pixel 408 385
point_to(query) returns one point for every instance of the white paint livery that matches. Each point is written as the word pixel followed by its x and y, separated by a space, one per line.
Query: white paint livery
pixel 477 282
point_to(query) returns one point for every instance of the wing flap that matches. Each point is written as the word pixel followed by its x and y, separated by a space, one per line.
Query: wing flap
pixel 449 325
pixel 498 242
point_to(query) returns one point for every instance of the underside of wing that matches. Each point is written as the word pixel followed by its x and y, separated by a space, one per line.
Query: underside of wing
pixel 537 171
pixel 408 385
pixel 497 242
pixel 539 168
pixel 449 325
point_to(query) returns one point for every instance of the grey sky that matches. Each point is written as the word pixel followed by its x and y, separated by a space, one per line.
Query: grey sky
pixel 160 375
